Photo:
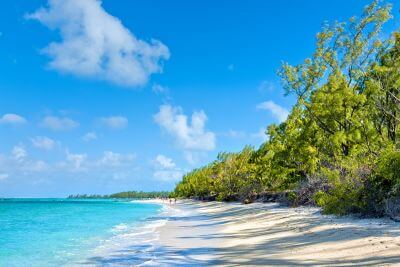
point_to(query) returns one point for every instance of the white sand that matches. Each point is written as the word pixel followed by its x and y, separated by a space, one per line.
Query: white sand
pixel 220 234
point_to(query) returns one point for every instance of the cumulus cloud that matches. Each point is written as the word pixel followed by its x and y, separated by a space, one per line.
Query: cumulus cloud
pixel 19 164
pixel 159 89
pixel 194 157
pixel 166 169
pixel 164 162
pixel 19 153
pixel 43 142
pixel 96 44
pixel 59 124
pixel 90 136
pixel 18 161
pixel 36 166
pixel 12 119
pixel 189 134
pixel 114 122
pixel 76 160
pixel 277 111
pixel 116 159
pixel 168 175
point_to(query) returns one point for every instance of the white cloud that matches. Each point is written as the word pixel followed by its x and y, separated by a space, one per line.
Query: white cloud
pixel 109 163
pixel 159 89
pixel 164 162
pixel 19 153
pixel 116 159
pixel 13 119
pixel 166 169
pixel 59 124
pixel 19 162
pixel 279 112
pixel 90 136
pixel 111 166
pixel 189 135
pixel 43 142
pixel 168 175
pixel 76 160
pixel 95 44
pixel 36 166
pixel 114 122
pixel 194 157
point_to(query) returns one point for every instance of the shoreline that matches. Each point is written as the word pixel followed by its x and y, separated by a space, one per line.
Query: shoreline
pixel 219 234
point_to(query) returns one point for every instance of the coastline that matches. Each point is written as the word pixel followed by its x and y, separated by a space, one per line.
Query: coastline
pixel 233 234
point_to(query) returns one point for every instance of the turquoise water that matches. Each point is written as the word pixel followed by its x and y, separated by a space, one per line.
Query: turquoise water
pixel 57 232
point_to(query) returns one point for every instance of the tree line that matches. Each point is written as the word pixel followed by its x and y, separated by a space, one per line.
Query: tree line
pixel 339 146
pixel 127 194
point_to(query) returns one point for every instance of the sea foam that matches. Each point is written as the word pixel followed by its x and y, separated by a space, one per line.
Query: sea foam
pixel 134 244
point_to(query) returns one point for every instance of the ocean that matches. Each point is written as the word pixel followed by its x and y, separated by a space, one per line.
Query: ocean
pixel 69 232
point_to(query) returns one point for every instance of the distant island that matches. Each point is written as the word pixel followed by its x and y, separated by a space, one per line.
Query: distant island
pixel 127 194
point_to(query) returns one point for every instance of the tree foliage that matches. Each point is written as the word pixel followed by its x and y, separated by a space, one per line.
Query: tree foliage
pixel 341 139
pixel 127 194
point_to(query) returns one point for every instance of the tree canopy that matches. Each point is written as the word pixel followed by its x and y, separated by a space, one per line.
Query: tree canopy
pixel 127 194
pixel 339 147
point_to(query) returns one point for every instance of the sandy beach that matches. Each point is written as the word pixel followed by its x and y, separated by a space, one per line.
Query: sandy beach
pixel 221 234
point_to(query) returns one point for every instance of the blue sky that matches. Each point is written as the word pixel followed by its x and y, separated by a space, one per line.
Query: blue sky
pixel 101 97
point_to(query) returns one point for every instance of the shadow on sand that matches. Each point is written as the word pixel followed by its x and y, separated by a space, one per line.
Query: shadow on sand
pixel 261 254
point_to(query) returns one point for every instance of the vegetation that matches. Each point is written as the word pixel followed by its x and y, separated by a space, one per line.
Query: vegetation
pixel 340 146
pixel 128 194
pixel 140 194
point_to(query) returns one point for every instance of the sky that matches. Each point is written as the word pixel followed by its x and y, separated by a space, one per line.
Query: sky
pixel 105 96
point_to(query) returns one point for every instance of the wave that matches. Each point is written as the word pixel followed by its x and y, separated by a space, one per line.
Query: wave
pixel 133 244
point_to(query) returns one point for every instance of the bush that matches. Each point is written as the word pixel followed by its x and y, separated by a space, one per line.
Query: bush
pixel 388 170
pixel 306 191
pixel 340 200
